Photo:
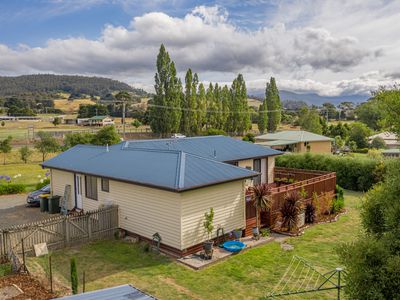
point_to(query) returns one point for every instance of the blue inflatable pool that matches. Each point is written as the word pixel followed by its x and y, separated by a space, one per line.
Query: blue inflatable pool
pixel 234 246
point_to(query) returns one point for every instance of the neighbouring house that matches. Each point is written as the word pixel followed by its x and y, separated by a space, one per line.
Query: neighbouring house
pixel 121 292
pixel 393 153
pixel 165 186
pixel 390 139
pixel 69 120
pixel 296 141
pixel 95 121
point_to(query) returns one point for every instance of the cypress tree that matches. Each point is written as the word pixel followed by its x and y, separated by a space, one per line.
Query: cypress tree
pixel 274 105
pixel 262 118
pixel 201 107
pixel 166 114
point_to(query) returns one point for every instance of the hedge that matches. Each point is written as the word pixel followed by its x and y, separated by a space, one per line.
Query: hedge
pixel 11 188
pixel 39 185
pixel 353 173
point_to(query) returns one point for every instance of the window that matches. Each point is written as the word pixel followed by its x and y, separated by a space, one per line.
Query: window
pixel 257 168
pixel 91 187
pixel 105 185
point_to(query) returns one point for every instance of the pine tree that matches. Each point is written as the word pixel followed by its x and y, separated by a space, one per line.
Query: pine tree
pixel 273 105
pixel 166 114
pixel 262 117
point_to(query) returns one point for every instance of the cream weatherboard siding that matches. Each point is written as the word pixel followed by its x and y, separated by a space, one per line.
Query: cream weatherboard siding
pixel 142 210
pixel 228 203
pixel 59 179
pixel 271 167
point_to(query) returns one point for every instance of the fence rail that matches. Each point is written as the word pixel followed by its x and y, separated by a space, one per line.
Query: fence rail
pixel 59 232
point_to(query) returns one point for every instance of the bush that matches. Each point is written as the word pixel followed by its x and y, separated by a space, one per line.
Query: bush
pixel 361 150
pixel 213 131
pixel 42 184
pixel 11 188
pixel 338 202
pixel 290 210
pixel 249 137
pixel 353 173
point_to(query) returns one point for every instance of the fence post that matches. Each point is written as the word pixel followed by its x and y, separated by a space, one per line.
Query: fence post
pixel 89 227
pixel 67 233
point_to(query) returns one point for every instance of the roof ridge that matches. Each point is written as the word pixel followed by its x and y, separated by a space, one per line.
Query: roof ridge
pixel 176 139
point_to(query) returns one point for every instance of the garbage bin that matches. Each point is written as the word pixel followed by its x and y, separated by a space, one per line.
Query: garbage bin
pixel 54 205
pixel 44 204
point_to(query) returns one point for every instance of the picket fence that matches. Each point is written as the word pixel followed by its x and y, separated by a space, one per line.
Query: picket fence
pixel 59 232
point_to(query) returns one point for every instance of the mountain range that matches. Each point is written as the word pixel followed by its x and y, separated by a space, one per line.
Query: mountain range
pixel 311 98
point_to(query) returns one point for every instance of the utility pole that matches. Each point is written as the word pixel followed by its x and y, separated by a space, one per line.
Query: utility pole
pixel 123 120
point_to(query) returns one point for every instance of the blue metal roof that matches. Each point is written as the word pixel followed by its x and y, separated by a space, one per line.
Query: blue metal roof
pixel 122 292
pixel 168 169
pixel 220 148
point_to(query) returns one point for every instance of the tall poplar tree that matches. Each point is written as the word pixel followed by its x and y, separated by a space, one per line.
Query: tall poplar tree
pixel 240 115
pixel 189 105
pixel 274 105
pixel 262 117
pixel 201 107
pixel 165 115
pixel 225 99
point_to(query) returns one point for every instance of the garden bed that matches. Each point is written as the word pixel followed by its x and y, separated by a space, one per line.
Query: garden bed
pixel 25 287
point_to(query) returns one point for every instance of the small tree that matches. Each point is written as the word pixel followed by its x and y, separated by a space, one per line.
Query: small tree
pixel 74 277
pixel 378 143
pixel 106 136
pixel 3 123
pixel 25 153
pixel 249 137
pixel 136 123
pixel 5 147
pixel 46 144
pixel 208 222
pixel 56 121
pixel 262 200
pixel 290 210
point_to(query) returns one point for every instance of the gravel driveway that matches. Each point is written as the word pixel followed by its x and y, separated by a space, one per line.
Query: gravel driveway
pixel 13 211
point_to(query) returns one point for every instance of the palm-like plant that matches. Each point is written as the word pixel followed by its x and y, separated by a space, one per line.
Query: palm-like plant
pixel 262 199
pixel 290 210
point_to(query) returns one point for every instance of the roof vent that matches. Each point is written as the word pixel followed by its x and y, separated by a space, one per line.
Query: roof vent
pixel 215 153
pixel 107 150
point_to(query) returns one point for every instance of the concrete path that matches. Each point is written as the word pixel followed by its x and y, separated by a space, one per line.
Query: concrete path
pixel 8 201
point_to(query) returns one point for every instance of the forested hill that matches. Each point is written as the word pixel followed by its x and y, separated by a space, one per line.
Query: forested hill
pixel 72 84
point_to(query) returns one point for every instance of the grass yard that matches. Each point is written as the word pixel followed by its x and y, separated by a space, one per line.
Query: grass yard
pixel 29 174
pixel 248 275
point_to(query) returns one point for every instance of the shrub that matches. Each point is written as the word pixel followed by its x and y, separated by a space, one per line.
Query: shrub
pixel 214 131
pixel 249 137
pixel 11 188
pixel 310 213
pixel 353 173
pixel 265 232
pixel 338 202
pixel 325 201
pixel 45 182
pixel 290 210
pixel 74 277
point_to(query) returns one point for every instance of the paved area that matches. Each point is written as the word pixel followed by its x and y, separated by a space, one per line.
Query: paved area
pixel 196 262
pixel 21 214
pixel 8 201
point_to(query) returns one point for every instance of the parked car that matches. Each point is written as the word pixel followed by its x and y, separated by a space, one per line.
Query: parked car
pixel 33 198
pixel 178 136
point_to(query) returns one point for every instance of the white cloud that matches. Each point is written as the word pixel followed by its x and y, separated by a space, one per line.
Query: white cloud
pixel 303 55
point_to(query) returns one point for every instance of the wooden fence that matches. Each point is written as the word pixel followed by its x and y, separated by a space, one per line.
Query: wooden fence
pixel 307 181
pixel 59 232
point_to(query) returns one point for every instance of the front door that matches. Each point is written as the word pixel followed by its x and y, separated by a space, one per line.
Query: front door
pixel 78 191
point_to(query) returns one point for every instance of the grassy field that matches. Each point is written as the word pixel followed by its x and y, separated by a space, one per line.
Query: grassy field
pixel 29 174
pixel 248 275
pixel 70 106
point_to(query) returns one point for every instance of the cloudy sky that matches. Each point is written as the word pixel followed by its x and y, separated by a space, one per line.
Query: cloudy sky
pixel 338 47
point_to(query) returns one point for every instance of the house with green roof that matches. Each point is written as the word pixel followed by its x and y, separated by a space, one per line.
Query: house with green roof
pixel 298 141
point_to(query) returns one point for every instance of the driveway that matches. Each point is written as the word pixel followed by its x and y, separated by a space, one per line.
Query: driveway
pixel 13 211
pixel 8 201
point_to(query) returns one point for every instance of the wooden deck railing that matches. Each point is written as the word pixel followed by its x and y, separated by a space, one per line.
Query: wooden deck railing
pixel 314 182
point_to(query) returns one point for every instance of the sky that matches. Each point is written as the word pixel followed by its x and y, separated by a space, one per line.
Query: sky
pixel 332 48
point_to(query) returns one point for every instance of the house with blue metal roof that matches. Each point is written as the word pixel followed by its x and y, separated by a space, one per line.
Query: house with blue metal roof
pixel 165 186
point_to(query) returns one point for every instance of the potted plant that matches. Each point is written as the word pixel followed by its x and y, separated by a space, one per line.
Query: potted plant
pixel 208 227
pixel 262 201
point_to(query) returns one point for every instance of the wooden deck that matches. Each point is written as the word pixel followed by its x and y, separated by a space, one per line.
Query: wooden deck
pixel 310 181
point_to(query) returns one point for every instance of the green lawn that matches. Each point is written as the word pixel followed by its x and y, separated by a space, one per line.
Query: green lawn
pixel 29 173
pixel 248 275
